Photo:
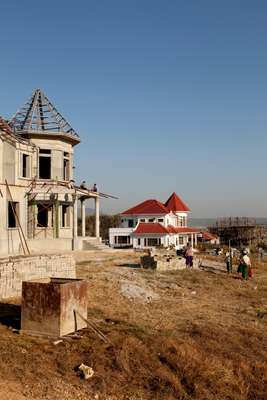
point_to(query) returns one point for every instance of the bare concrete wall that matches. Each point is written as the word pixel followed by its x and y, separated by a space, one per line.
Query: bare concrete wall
pixel 14 270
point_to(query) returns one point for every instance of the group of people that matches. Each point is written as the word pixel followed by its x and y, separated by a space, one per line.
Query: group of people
pixel 84 186
pixel 244 267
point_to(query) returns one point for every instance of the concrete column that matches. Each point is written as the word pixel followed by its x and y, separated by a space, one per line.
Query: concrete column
pixel 97 221
pixel 75 217
pixel 83 216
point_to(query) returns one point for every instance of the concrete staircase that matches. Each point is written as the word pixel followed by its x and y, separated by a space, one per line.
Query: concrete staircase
pixel 95 244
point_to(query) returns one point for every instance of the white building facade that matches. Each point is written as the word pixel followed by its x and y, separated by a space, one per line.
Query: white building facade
pixel 152 223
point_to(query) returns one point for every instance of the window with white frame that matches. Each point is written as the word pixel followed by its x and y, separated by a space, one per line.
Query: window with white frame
pixel 181 240
pixel 130 223
pixel 25 165
pixel 66 167
pixel 150 242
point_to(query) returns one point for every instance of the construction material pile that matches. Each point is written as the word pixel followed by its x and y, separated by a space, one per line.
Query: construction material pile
pixel 162 260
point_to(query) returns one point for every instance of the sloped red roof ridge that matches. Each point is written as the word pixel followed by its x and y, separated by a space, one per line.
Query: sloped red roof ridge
pixel 150 227
pixel 175 203
pixel 155 227
pixel 208 236
pixel 153 207
pixel 171 229
pixel 182 229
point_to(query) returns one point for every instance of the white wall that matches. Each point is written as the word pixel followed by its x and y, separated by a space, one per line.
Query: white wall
pixel 119 232
pixel 143 218
pixel 9 237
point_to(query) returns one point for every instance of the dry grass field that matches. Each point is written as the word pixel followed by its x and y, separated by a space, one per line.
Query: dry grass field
pixel 172 335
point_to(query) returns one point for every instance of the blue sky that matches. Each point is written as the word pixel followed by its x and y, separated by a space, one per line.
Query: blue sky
pixel 166 95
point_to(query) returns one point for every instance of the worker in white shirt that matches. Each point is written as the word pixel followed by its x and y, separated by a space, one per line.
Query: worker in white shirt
pixel 245 264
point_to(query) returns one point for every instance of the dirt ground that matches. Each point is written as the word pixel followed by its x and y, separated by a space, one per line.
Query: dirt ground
pixel 173 335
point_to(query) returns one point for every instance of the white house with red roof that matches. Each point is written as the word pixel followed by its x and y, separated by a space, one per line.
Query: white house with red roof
pixel 152 223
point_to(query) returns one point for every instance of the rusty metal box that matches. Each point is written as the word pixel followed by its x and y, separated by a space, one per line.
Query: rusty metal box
pixel 53 306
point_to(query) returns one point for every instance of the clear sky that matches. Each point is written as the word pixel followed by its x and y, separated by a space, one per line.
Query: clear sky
pixel 166 95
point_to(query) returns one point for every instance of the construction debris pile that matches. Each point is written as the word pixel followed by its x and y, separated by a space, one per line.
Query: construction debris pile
pixel 162 260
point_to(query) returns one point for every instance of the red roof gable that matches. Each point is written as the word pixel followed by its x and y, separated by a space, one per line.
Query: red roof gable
pixel 174 203
pixel 150 227
pixel 153 207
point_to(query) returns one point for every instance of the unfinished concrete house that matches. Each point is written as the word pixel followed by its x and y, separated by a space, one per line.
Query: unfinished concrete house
pixel 38 196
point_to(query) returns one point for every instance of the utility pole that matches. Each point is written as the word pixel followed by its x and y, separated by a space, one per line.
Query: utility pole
pixel 230 258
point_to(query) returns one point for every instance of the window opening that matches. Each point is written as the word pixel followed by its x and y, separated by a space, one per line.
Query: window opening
pixel 66 167
pixel 13 207
pixel 25 165
pixel 44 164
pixel 65 216
pixel 130 223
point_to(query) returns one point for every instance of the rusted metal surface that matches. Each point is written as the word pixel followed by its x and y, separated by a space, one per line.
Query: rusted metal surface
pixel 48 306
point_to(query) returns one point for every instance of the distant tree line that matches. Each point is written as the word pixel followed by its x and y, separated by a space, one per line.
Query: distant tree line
pixel 106 222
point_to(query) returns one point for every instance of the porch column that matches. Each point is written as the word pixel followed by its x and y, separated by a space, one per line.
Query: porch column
pixel 196 240
pixel 83 216
pixel 192 240
pixel 75 217
pixel 97 224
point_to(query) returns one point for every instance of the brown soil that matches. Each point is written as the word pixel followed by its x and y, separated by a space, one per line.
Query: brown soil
pixel 191 335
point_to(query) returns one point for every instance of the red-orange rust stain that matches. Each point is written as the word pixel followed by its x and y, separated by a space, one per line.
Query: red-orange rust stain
pixel 40 300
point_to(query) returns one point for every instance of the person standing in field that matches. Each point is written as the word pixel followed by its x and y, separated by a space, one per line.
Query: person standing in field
pixel 227 261
pixel 189 256
pixel 245 265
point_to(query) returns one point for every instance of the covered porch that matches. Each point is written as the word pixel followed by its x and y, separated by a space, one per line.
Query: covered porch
pixel 53 213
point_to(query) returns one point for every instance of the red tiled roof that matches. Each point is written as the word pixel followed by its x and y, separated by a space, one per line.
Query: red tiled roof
pixel 181 229
pixel 208 236
pixel 171 229
pixel 174 203
pixel 4 126
pixel 153 207
pixel 150 227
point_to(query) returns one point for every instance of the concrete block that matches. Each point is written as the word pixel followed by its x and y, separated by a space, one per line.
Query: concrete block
pixel 48 306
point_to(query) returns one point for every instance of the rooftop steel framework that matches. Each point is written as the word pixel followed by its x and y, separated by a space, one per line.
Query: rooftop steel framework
pixel 40 116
